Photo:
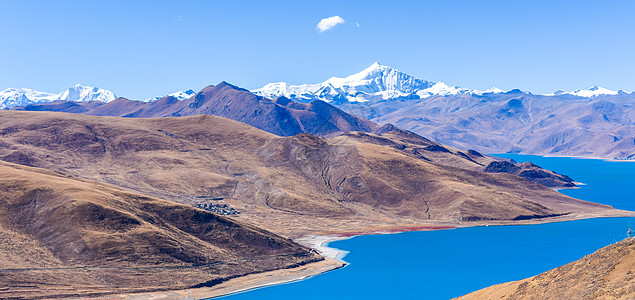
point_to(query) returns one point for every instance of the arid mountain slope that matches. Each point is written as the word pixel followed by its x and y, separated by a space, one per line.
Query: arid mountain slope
pixel 285 117
pixel 415 145
pixel 62 236
pixel 290 185
pixel 517 122
pixel 608 273
pixel 282 116
pixel 595 122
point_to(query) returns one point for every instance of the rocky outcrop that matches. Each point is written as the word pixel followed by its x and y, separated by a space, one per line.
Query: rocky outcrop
pixel 532 172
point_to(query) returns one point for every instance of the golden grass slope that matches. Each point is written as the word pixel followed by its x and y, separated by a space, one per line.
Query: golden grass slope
pixel 62 237
pixel 608 273
pixel 290 185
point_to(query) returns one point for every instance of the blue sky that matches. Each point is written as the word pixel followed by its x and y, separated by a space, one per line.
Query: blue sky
pixel 140 49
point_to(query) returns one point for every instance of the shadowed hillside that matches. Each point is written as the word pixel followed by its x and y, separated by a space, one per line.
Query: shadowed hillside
pixel 62 236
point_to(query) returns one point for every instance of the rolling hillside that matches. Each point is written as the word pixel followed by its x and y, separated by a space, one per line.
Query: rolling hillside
pixel 289 185
pixel 63 236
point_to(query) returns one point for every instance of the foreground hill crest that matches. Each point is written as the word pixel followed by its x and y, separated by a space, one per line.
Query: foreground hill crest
pixel 604 274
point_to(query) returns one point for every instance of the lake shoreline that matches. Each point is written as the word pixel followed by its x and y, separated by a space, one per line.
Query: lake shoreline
pixel 334 257
pixel 320 240
pixel 567 156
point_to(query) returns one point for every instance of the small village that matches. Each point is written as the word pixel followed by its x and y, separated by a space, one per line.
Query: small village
pixel 218 208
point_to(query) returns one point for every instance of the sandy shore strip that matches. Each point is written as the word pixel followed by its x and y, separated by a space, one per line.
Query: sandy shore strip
pixel 333 257
pixel 320 243
pixel 237 285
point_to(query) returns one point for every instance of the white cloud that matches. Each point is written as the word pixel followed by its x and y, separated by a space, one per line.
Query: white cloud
pixel 328 23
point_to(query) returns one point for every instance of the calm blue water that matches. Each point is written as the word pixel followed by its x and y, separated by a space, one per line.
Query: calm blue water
pixel 449 263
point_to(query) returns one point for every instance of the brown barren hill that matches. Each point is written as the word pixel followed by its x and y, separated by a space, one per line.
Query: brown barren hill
pixel 67 237
pixel 295 185
pixel 608 273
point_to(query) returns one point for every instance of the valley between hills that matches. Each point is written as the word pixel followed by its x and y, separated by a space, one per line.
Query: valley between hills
pixel 93 203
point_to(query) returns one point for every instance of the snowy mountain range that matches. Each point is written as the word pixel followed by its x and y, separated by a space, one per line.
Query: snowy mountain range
pixel 375 83
pixel 379 82
pixel 594 91
pixel 77 93
pixel 594 122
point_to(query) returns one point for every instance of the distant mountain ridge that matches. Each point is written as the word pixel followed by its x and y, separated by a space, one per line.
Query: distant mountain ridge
pixel 281 116
pixel 516 122
pixel 596 122
pixel 77 93
pixel 379 82
pixel 594 91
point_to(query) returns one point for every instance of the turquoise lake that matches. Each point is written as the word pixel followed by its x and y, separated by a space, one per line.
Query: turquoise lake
pixel 449 263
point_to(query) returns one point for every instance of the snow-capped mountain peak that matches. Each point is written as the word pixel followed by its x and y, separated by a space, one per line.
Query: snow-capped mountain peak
pixel 180 95
pixel 18 97
pixel 78 93
pixel 440 88
pixel 380 82
pixel 374 66
pixel 379 78
pixel 376 82
pixel 593 91
pixel 82 93
pixel 375 70
pixel 492 90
